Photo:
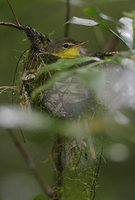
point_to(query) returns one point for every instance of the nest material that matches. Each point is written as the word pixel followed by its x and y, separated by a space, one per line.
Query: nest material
pixel 66 98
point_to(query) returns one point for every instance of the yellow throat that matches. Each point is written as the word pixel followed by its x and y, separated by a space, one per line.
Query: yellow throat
pixel 68 53
pixel 64 48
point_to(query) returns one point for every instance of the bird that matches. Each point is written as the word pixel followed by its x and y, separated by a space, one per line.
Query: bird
pixel 69 97
pixel 64 47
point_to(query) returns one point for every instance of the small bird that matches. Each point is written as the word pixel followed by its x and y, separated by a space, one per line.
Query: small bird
pixel 69 97
pixel 64 48
pixel 69 48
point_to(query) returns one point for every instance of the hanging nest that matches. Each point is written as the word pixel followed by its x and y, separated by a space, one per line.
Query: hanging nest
pixel 66 98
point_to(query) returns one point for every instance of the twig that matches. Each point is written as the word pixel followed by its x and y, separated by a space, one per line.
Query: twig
pixel 59 161
pixel 12 10
pixel 92 149
pixel 45 187
pixel 66 31
pixel 15 72
pixel 4 88
pixel 10 87
pixel 20 27
pixel 97 171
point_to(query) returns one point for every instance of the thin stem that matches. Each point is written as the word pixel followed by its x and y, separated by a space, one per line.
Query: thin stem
pixel 59 161
pixel 20 27
pixel 96 175
pixel 10 88
pixel 66 31
pixel 12 10
pixel 4 88
pixel 45 187
pixel 92 149
pixel 90 142
pixel 15 73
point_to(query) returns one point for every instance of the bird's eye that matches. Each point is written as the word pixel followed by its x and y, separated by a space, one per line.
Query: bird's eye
pixel 65 45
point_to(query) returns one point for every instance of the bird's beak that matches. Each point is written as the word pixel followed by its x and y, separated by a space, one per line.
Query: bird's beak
pixel 80 44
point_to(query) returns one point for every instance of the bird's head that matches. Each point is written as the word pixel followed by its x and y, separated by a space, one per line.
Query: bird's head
pixel 64 48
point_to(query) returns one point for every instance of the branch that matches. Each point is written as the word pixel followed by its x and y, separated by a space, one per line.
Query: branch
pixel 12 10
pixel 45 187
pixel 59 161
pixel 10 88
pixel 20 27
pixel 4 88
pixel 67 18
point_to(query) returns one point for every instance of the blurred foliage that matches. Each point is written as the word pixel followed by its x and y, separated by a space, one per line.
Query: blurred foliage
pixel 124 26
pixel 109 115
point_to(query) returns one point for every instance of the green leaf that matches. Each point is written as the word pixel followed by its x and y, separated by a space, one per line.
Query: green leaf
pixel 102 24
pixel 132 16
pixel 82 21
pixel 91 11
pixel 105 26
pixel 62 64
pixel 126 31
